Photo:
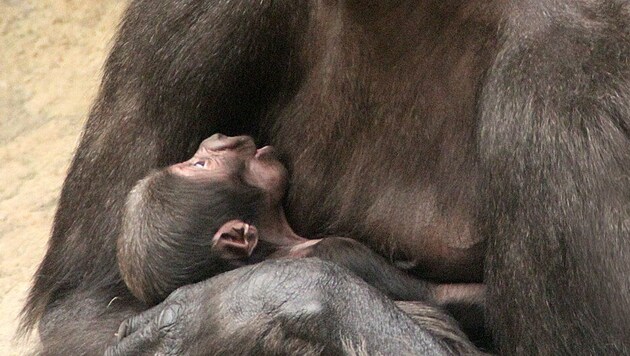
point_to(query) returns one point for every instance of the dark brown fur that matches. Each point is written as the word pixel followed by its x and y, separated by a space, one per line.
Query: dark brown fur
pixel 516 112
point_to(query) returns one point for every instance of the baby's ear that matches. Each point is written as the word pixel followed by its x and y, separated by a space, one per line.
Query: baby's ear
pixel 235 240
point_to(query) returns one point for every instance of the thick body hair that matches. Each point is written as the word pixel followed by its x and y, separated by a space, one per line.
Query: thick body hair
pixel 555 151
pixel 516 115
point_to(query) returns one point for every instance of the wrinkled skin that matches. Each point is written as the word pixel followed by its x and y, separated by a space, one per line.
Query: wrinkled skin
pixel 255 311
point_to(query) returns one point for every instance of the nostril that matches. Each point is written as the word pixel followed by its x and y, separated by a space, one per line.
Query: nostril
pixel 218 136
pixel 217 142
pixel 220 142
pixel 230 144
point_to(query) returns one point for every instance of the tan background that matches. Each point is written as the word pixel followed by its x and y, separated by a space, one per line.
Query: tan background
pixel 51 53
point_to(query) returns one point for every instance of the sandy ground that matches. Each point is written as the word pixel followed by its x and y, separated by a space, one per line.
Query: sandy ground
pixel 51 53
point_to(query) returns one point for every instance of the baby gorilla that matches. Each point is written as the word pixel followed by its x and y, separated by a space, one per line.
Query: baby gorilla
pixel 222 209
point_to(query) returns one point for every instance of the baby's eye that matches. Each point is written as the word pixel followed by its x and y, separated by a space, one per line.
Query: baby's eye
pixel 200 164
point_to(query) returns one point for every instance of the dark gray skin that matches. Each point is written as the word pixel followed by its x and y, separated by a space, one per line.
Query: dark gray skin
pixel 268 289
pixel 516 112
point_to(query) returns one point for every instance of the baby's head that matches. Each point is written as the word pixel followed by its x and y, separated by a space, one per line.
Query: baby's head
pixel 240 181
pixel 227 159
pixel 199 215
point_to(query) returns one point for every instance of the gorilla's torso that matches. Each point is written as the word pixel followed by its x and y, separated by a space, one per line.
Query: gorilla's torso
pixel 411 192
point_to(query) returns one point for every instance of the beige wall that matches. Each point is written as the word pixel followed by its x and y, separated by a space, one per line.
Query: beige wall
pixel 51 53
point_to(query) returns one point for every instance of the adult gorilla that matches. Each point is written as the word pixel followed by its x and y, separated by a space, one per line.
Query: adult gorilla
pixel 438 132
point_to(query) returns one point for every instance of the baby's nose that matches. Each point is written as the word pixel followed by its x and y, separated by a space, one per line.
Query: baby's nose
pixel 220 142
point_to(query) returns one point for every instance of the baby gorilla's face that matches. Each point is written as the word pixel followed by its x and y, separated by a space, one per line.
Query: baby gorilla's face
pixel 221 157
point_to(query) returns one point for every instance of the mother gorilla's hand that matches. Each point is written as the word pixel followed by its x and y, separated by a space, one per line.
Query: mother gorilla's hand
pixel 304 306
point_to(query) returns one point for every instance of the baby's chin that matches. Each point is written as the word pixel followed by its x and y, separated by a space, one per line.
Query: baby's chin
pixel 275 183
pixel 277 188
pixel 267 173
